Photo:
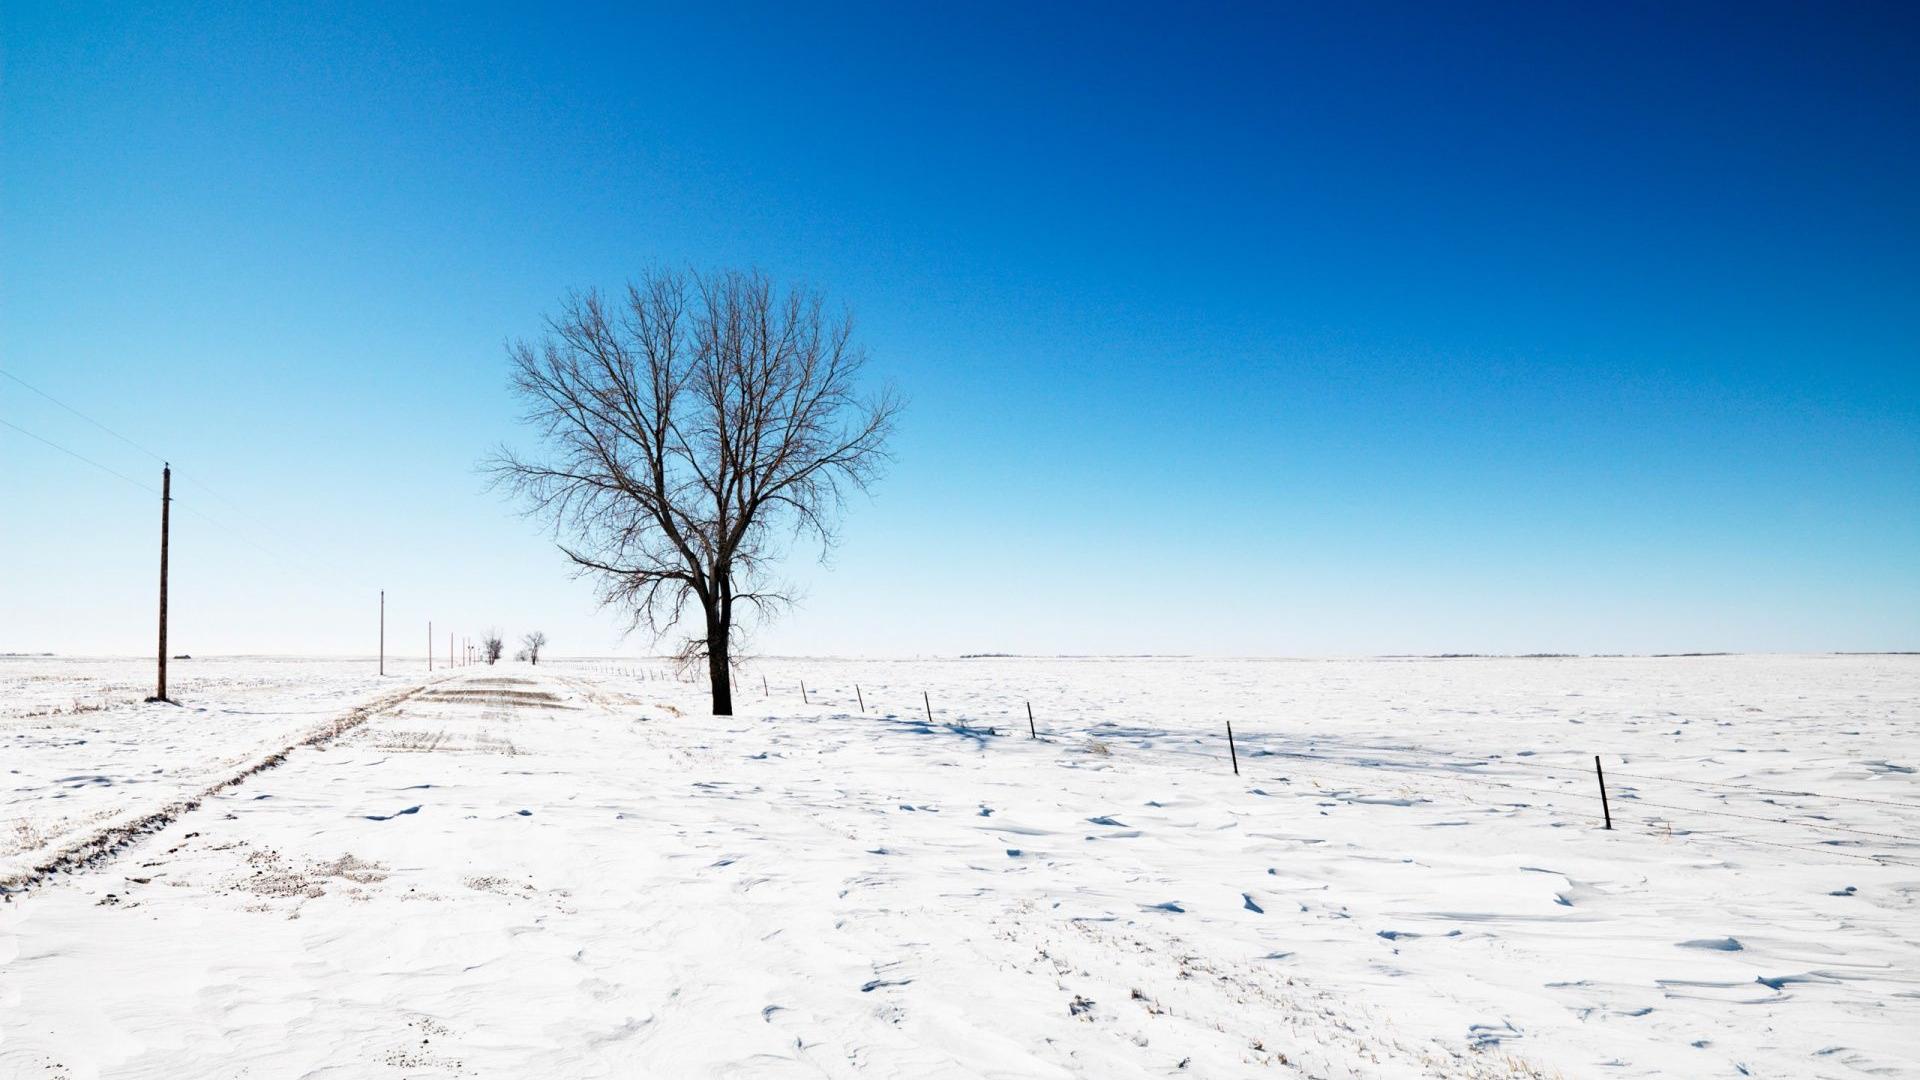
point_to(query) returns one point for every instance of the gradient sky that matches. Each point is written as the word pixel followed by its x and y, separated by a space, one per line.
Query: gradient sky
pixel 1322 330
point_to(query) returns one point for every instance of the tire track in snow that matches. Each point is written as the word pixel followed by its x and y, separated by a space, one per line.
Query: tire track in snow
pixel 99 848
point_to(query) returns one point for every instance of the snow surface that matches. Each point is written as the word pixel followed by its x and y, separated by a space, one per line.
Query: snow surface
pixel 568 871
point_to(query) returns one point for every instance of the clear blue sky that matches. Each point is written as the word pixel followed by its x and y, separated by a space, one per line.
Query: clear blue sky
pixel 1316 331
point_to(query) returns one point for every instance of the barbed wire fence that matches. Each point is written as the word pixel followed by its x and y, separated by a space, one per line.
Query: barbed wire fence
pixel 1438 775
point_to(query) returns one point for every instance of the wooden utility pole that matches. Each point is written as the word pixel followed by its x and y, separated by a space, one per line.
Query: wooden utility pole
pixel 383 631
pixel 166 501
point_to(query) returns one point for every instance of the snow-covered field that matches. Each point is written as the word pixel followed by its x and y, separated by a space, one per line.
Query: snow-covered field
pixel 568 871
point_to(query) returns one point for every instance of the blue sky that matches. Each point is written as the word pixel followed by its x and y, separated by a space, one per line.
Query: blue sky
pixel 1329 330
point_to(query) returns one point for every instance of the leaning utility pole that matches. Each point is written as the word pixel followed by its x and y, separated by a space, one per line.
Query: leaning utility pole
pixel 166 500
pixel 383 631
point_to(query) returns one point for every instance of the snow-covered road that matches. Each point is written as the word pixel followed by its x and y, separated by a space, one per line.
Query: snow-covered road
pixel 566 871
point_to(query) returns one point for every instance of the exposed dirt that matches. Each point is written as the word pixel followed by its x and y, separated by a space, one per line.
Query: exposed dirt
pixel 539 698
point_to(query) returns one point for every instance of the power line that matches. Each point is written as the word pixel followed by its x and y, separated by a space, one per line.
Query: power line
pixel 163 459
pixel 228 528
pixel 82 415
pixel 79 456
pixel 283 558
pixel 187 475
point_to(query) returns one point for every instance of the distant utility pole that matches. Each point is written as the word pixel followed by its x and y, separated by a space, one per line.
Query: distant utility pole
pixel 383 631
pixel 166 500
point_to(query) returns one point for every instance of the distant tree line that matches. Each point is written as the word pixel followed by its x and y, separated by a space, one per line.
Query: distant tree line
pixel 492 646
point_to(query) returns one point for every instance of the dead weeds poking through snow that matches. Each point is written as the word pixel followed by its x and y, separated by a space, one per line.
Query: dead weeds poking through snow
pixel 276 878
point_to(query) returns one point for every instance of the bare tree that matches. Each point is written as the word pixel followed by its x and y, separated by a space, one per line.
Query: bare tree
pixel 692 426
pixel 533 643
pixel 491 646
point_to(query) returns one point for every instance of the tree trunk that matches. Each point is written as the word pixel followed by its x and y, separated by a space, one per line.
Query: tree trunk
pixel 717 664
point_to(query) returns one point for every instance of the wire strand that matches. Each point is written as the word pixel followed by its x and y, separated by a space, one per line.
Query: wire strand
pixel 150 452
pixel 227 528
pixel 80 457
pixel 1572 770
pixel 1748 789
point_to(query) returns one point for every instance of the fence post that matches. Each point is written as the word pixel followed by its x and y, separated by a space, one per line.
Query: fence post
pixel 1031 733
pixel 803 693
pixel 861 697
pixel 1602 777
pixel 929 704
pixel 1231 750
